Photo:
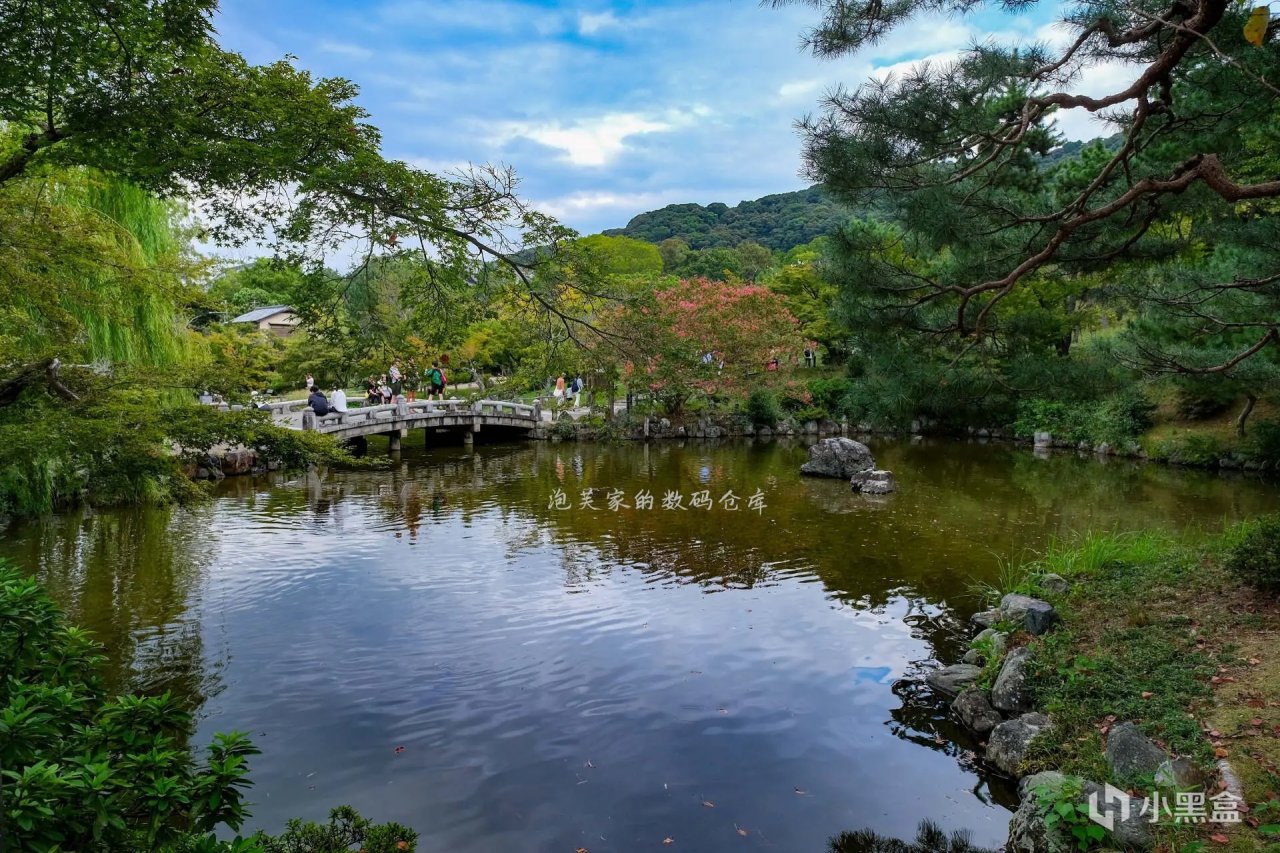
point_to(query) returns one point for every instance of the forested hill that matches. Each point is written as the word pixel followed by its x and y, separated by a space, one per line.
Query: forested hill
pixel 779 222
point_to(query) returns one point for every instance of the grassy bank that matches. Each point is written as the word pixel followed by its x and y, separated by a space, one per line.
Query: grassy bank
pixel 1159 631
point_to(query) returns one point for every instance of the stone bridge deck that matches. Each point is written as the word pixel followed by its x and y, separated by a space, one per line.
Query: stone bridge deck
pixel 396 419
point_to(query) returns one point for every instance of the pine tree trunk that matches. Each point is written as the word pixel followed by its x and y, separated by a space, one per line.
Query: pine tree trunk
pixel 1250 402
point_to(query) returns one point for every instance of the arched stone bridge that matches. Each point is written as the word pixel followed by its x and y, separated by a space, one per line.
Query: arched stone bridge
pixel 396 419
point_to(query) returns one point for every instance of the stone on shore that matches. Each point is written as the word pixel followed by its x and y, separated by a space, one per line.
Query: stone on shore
pixel 1033 614
pixel 1028 832
pixel 1131 753
pixel 1055 583
pixel 1008 744
pixel 1009 693
pixel 973 709
pixel 999 641
pixel 838 457
pixel 950 680
pixel 985 619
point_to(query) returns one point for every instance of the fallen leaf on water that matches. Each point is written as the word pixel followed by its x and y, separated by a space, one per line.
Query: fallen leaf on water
pixel 744 833
pixel 707 804
pixel 668 840
pixel 581 850
pixel 399 749
pixel 800 791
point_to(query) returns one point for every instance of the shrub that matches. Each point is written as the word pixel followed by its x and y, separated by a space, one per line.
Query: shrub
pixel 831 394
pixel 1263 444
pixel 763 408
pixel 1116 419
pixel 1201 450
pixel 1255 559
pixel 1200 400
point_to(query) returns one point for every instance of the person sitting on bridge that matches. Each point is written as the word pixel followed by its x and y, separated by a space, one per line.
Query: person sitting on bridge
pixel 338 399
pixel 318 402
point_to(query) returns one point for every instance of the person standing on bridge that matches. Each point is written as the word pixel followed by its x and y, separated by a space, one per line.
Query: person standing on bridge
pixel 435 382
pixel 397 380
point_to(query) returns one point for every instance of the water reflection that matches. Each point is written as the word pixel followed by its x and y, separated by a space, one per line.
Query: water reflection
pixel 578 678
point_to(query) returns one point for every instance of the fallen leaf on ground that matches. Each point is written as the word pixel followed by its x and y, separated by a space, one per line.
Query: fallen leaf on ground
pixel 1256 721
pixel 1221 752
pixel 1147 694
pixel 1254 661
pixel 1220 838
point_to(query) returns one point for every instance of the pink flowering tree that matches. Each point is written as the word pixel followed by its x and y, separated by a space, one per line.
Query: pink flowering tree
pixel 711 337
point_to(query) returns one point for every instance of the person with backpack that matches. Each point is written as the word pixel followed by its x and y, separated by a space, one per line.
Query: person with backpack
pixel 435 382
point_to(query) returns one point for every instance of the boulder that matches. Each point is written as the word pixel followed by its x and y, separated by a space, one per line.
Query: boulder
pixel 1180 773
pixel 874 482
pixel 238 461
pixel 1007 746
pixel 973 709
pixel 950 680
pixel 1033 614
pixel 1053 582
pixel 985 619
pixel 838 457
pixel 999 640
pixel 1131 753
pixel 1103 449
pixel 1044 439
pixel 975 657
pixel 1028 833
pixel 1009 693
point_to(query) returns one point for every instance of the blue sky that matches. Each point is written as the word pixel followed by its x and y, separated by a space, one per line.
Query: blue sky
pixel 605 109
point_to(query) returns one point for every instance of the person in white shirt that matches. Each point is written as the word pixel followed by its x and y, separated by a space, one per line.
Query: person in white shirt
pixel 338 400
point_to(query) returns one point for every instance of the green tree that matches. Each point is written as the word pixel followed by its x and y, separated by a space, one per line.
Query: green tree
pixel 953 152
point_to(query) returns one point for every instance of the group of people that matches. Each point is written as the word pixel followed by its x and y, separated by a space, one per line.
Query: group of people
pixel 563 391
pixel 399 381
pixel 404 382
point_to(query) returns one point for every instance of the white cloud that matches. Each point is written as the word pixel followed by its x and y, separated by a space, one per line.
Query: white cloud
pixel 603 202
pixel 590 23
pixel 340 48
pixel 595 141
pixel 799 89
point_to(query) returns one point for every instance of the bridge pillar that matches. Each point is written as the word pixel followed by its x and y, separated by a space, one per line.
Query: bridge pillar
pixel 309 420
pixel 468 439
pixel 393 440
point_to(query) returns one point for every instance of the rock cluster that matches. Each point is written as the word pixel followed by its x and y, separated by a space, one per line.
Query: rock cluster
pixel 1005 716
pixel 849 460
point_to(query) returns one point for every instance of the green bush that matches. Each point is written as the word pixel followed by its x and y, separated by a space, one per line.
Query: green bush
pixel 1263 444
pixel 1116 419
pixel 832 394
pixel 763 408
pixel 1255 559
pixel 1197 401
pixel 1200 450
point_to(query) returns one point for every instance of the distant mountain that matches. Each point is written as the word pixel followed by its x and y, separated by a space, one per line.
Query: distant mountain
pixel 780 222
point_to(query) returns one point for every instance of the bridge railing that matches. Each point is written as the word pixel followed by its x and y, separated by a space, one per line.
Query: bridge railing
pixel 404 413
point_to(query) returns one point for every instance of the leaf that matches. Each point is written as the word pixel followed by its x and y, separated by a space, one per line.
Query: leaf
pixel 744 833
pixel 668 840
pixel 1256 721
pixel 1270 829
pixel 1219 838
pixel 1221 752
pixel 399 749
pixel 707 804
pixel 1255 30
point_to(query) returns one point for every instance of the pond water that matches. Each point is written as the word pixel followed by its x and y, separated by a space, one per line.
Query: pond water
pixel 438 645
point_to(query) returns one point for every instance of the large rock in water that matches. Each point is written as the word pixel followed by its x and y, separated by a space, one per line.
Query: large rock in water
pixel 950 680
pixel 874 482
pixel 972 708
pixel 838 457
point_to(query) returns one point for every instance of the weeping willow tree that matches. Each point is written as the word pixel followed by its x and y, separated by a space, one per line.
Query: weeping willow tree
pixel 95 270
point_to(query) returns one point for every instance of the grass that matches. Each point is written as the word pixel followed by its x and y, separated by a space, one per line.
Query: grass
pixel 1157 632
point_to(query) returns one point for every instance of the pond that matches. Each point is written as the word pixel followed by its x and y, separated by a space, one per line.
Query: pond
pixel 440 645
